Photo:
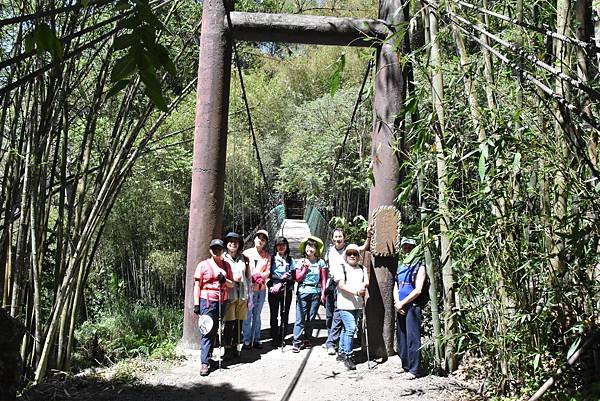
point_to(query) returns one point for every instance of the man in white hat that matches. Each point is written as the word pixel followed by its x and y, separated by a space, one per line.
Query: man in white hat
pixel 410 279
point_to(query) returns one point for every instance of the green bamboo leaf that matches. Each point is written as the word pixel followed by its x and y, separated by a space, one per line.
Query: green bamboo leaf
pixel 337 74
pixel 44 39
pixel 123 68
pixel 481 168
pixel 123 41
pixel 130 22
pixel 165 60
pixel 122 6
pixel 517 163
pixel 116 88
pixel 153 89
pixel 146 12
pixel 29 42
pixel 148 35
pixel 141 56
pixel 573 348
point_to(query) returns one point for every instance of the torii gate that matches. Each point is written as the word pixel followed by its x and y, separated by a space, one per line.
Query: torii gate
pixel 210 136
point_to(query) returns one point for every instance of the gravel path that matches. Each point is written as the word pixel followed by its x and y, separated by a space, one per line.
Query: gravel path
pixel 260 375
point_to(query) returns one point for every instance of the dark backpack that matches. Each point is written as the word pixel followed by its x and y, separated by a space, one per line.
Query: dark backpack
pixel 423 298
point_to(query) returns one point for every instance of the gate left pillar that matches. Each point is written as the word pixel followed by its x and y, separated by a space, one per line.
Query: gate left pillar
pixel 210 146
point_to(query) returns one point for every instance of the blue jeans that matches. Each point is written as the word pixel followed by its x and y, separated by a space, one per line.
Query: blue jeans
pixel 251 328
pixel 207 341
pixel 349 319
pixel 306 310
pixel 333 322
pixel 408 334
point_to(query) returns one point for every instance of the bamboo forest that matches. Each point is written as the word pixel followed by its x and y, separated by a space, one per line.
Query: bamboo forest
pixel 141 137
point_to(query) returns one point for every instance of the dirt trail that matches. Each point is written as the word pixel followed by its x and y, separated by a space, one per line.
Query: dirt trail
pixel 260 375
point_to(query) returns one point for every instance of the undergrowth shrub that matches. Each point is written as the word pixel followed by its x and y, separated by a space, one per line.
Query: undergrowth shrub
pixel 127 331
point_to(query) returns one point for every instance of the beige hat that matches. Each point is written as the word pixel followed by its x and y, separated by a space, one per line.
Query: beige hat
pixel 352 247
pixel 263 232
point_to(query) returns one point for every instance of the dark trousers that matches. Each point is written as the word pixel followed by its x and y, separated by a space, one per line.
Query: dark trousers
pixel 408 334
pixel 332 320
pixel 277 310
pixel 232 332
pixel 207 341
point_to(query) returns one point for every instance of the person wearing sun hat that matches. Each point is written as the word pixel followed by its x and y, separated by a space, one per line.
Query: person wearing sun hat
pixel 410 278
pixel 237 296
pixel 352 283
pixel 260 267
pixel 311 274
pixel 211 279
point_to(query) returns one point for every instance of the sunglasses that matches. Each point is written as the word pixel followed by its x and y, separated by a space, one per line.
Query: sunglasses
pixel 352 254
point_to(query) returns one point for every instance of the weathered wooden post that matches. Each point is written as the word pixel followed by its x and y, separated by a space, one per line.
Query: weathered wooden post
pixel 210 144
pixel 388 102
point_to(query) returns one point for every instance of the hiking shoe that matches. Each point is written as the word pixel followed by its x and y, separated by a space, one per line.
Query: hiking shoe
pixel 306 344
pixel 246 346
pixel 257 345
pixel 349 363
pixel 230 353
pixel 295 348
pixel 340 358
pixel 331 351
pixel 204 368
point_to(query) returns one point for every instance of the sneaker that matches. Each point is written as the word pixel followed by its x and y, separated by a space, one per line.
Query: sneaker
pixel 331 351
pixel 246 346
pixel 408 376
pixel 204 368
pixel 257 345
pixel 295 348
pixel 340 358
pixel 349 363
pixel 306 344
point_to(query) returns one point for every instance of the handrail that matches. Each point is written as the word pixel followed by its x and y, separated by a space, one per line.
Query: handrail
pixel 319 227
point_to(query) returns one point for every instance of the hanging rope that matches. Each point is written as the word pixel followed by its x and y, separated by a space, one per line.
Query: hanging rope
pixel 351 124
pixel 245 97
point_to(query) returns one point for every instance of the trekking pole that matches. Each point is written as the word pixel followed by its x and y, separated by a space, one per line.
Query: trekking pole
pixel 283 323
pixel 220 337
pixel 366 332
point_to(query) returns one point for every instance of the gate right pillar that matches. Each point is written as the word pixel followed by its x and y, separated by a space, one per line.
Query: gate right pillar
pixel 387 135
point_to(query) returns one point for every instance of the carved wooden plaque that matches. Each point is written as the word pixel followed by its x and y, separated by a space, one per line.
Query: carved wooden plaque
pixel 386 236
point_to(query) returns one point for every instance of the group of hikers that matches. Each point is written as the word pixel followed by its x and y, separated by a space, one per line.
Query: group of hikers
pixel 232 285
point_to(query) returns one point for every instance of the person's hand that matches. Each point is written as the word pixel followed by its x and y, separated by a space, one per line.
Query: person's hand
pixel 361 292
pixel 197 309
pixel 323 298
pixel 398 305
pixel 370 231
pixel 221 278
pixel 286 276
pixel 305 264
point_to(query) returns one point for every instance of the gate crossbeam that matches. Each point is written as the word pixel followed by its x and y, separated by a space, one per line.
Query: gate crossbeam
pixel 307 29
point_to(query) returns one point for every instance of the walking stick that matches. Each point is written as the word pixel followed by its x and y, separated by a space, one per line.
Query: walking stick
pixel 220 337
pixel 283 323
pixel 252 311
pixel 366 332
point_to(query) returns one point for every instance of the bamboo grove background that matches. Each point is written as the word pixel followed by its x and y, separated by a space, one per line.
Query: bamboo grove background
pixel 498 140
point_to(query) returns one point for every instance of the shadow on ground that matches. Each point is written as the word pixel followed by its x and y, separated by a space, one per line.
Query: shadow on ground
pixel 93 389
